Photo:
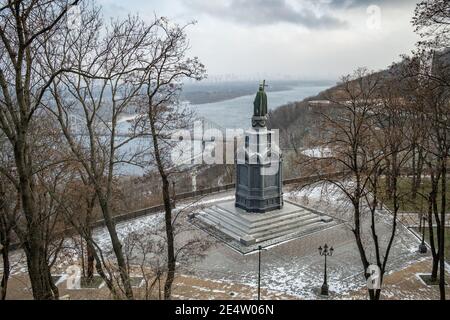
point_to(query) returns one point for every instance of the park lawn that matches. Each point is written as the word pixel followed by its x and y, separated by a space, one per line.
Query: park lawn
pixel 419 204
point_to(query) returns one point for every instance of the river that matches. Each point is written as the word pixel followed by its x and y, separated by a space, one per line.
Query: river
pixel 233 113
pixel 237 112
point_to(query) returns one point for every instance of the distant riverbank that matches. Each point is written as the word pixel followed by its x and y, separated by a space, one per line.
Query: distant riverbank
pixel 206 93
pixel 237 112
pixel 231 113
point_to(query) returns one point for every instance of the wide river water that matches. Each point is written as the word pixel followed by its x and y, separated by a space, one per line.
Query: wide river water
pixel 232 113
pixel 237 112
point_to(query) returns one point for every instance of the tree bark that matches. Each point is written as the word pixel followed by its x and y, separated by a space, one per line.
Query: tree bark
pixel 90 250
pixel 171 263
pixel 39 273
pixel 117 248
pixel 442 230
pixel 90 264
pixel 434 269
pixel 432 207
pixel 5 233
pixel 34 241
pixel 417 174
pixel 99 268
pixel 6 265
pixel 171 259
pixel 374 294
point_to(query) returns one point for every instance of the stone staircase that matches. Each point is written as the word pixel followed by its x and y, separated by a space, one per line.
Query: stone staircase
pixel 250 228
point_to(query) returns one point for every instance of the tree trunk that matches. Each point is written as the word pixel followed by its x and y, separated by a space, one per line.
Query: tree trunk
pixel 5 234
pixel 34 237
pixel 99 268
pixel 414 173
pixel 90 250
pixel 90 264
pixel 35 250
pixel 6 266
pixel 434 251
pixel 374 294
pixel 117 248
pixel 442 230
pixel 83 263
pixel 417 174
pixel 39 273
pixel 171 259
pixel 171 263
pixel 434 269
pixel 359 243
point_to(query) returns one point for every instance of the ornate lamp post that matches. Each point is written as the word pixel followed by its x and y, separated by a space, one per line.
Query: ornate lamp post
pixel 259 272
pixel 422 246
pixel 325 252
pixel 260 248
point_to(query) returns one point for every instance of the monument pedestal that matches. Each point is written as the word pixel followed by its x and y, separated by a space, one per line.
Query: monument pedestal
pixel 259 185
pixel 259 215
pixel 250 228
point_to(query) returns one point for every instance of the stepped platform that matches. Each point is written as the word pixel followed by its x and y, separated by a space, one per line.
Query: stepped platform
pixel 246 231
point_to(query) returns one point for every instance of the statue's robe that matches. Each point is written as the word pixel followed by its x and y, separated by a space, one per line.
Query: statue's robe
pixel 260 103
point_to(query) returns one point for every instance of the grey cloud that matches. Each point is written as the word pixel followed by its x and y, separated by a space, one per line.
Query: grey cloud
pixel 265 12
pixel 343 4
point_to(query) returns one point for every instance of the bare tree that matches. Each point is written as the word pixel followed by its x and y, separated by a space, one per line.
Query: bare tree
pixel 163 115
pixel 437 146
pixel 362 138
pixel 427 102
pixel 432 65
pixel 392 133
pixel 24 27
pixel 432 22
pixel 9 212
pixel 147 248
pixel 81 212
pixel 91 104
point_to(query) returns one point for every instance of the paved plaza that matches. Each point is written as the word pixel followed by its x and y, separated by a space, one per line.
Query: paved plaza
pixel 292 268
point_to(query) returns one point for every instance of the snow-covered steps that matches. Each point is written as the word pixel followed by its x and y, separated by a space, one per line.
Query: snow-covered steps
pixel 251 228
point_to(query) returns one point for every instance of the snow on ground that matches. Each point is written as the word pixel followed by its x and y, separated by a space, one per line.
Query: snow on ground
pixel 324 197
pixel 139 225
pixel 294 267
pixel 317 152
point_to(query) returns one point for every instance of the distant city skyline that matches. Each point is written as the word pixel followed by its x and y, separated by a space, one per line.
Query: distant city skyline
pixel 286 39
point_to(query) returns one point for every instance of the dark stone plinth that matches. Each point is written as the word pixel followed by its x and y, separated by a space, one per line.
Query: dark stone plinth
pixel 259 173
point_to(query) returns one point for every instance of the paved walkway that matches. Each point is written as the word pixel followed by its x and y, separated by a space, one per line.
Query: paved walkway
pixel 292 269
pixel 295 267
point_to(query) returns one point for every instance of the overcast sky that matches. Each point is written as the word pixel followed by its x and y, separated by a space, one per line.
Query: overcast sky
pixel 302 39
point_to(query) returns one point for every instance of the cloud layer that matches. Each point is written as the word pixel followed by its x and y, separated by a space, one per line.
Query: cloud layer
pixel 309 39
pixel 343 4
pixel 267 12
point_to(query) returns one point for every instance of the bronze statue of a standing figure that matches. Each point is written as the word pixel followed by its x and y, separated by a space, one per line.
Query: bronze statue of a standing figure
pixel 260 107
pixel 260 103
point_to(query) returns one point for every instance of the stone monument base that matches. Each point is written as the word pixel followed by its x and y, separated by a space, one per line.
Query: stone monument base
pixel 249 229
